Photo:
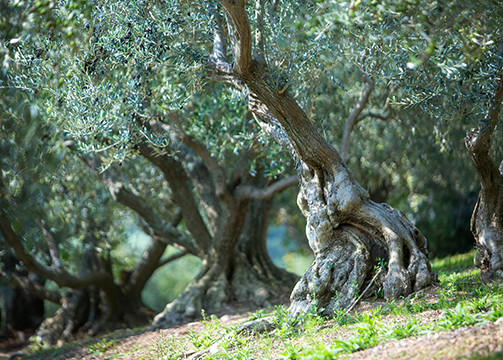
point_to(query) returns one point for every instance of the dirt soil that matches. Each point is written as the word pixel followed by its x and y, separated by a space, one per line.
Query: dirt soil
pixel 465 343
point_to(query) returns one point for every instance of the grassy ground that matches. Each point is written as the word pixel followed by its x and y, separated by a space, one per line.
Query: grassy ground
pixel 458 318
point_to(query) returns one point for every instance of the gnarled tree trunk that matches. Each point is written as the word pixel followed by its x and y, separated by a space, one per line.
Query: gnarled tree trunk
pixel 95 302
pixel 487 218
pixel 236 270
pixel 346 230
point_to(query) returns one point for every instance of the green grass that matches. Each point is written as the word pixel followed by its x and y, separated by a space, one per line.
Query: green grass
pixel 459 300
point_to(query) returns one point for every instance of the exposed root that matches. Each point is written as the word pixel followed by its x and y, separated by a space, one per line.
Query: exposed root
pixel 335 277
pixel 348 233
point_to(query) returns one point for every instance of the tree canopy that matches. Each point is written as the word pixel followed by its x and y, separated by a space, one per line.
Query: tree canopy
pixel 190 117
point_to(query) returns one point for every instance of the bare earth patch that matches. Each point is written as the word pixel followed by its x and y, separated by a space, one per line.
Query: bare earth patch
pixel 464 343
pixel 456 344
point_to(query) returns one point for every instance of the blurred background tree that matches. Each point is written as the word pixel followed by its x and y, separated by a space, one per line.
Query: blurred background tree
pixel 189 168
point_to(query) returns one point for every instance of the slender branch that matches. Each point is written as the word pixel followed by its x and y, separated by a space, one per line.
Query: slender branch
pixel 387 110
pixel 364 292
pixel 259 30
pixel 242 48
pixel 219 41
pixel 212 164
pixel 171 258
pixel 353 117
pixel 34 288
pixel 374 114
pixel 251 192
pixel 182 194
pixel 162 229
pixel 53 246
pixel 147 265
pixel 61 277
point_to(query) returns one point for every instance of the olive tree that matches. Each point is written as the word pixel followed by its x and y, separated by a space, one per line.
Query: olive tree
pixel 347 231
pixel 192 170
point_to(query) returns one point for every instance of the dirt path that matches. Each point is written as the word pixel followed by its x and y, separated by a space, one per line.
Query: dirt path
pixel 465 343
pixel 479 341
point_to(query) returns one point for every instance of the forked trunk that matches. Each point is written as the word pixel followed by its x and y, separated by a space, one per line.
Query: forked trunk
pixel 239 271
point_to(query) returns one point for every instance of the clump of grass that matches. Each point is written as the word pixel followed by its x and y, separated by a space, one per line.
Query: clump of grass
pixel 461 297
pixel 212 328
pixel 103 346
pixel 408 329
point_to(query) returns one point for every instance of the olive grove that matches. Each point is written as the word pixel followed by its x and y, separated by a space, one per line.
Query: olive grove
pixel 192 116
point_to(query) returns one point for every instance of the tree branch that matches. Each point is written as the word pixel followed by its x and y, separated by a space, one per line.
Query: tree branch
pixel 478 141
pixel 211 163
pixel 147 265
pixel 219 41
pixel 53 246
pixel 171 258
pixel 353 117
pixel 259 30
pixel 307 142
pixel 60 277
pixel 252 192
pixel 242 47
pixel 182 194
pixel 131 199
pixel 34 288
pixel 385 114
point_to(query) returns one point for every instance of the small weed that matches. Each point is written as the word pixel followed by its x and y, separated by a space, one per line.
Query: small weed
pixel 457 318
pixel 166 350
pixel 291 352
pixel 367 335
pixel 103 346
pixel 341 318
pixel 481 304
pixel 380 264
pixel 212 327
pixel 496 313
pixel 362 340
pixel 322 352
pixel 410 328
pixel 259 314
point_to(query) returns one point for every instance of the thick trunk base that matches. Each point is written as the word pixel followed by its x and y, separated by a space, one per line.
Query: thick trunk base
pixel 351 236
pixel 487 229
pixel 85 311
pixel 248 285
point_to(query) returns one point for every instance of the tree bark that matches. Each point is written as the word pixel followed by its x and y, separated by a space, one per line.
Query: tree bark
pixel 237 269
pixel 95 302
pixel 347 232
pixel 487 218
